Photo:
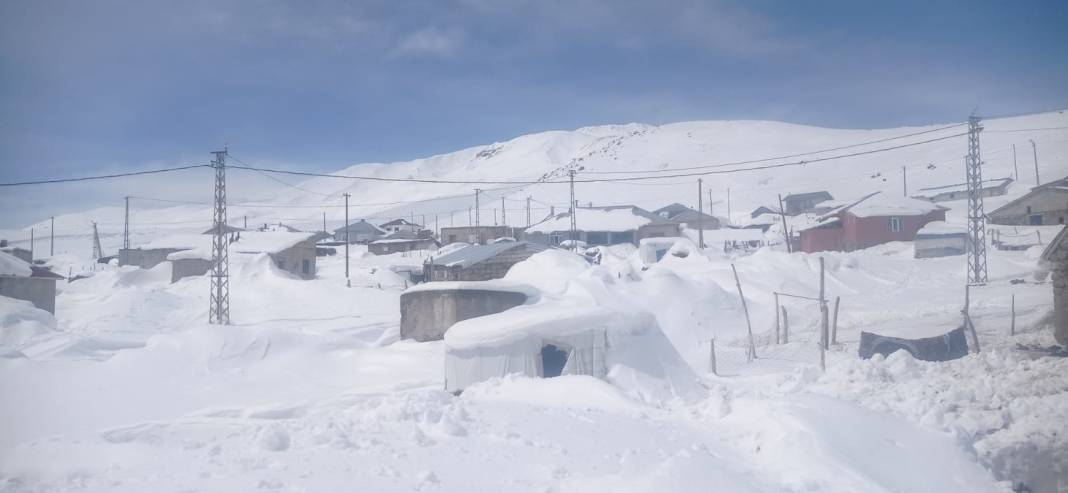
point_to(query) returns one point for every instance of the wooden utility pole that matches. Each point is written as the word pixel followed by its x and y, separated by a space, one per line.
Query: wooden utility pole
pixel 834 321
pixel 785 327
pixel 730 217
pixel 700 212
pixel 324 221
pixel 1034 149
pixel 348 282
pixel 504 221
pixel 904 182
pixel 52 241
pixel 1015 170
pixel 528 211
pixel 751 354
pixel 785 232
pixel 712 355
pixel 31 245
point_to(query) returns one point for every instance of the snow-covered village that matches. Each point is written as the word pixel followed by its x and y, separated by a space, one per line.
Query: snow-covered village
pixel 435 277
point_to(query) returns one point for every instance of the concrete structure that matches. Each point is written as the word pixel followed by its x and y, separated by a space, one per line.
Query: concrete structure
pixel 1043 205
pixel 398 225
pixel 427 311
pixel 949 346
pixel 602 226
pixel 937 239
pixel 1055 258
pixel 190 255
pixel 19 253
pixel 959 191
pixel 24 281
pixel 680 214
pixel 479 262
pixel 797 203
pixel 389 245
pixel 476 234
pixel 875 219
pixel 359 232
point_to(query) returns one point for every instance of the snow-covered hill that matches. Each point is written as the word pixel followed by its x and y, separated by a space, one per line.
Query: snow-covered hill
pixel 610 148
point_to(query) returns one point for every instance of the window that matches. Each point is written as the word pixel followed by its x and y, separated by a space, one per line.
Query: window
pixel 305 266
pixel 597 238
pixel 1034 219
pixel 1028 209
pixel 895 224
pixel 554 239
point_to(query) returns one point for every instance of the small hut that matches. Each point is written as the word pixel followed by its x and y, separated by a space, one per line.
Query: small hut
pixel 1055 257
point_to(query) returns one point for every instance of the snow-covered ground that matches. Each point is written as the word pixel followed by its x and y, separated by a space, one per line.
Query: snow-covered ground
pixel 128 388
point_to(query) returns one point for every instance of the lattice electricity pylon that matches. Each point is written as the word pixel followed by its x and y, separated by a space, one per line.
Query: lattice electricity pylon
pixel 976 216
pixel 219 311
pixel 98 252
pixel 574 227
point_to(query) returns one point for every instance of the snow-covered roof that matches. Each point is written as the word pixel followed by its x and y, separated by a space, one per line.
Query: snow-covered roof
pixel 940 228
pixel 614 220
pixel 474 254
pixel 199 246
pixel 399 240
pixel 883 204
pixel 963 187
pixel 11 265
pixel 361 226
pixel 1057 250
pixel 531 292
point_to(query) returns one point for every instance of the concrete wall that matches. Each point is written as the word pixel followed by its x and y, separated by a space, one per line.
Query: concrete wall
pixel 426 315
pixel 145 259
pixel 295 258
pixel 1049 206
pixel 940 245
pixel 492 268
pixel 400 246
pixel 189 267
pixel 658 231
pixel 473 234
pixel 39 291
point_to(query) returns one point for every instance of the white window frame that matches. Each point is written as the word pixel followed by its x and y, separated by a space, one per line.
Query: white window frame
pixel 895 224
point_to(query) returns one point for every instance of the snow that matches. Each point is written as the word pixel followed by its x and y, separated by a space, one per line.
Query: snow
pixel 937 228
pixel 11 265
pixel 491 285
pixel 885 204
pixel 127 388
pixel 614 220
pixel 198 246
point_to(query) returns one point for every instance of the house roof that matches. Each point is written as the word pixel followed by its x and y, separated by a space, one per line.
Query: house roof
pixel 963 187
pixel 1034 191
pixel 612 218
pixel 399 222
pixel 941 228
pixel 361 226
pixel 808 195
pixel 471 255
pixel 880 204
pixel 229 229
pixel 11 265
pixel 1057 250
pixel 681 214
pixel 199 246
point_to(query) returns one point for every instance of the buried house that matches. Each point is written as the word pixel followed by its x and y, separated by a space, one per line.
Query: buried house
pixel 552 339
pixel 597 226
pixel 873 220
pixel 479 262
pixel 1055 257
pixel 190 255
pixel 22 280
pixel 429 309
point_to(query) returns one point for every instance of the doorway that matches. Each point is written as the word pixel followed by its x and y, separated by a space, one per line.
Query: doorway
pixel 553 359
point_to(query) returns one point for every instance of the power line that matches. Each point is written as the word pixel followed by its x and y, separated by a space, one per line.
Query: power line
pixel 102 177
pixel 1026 130
pixel 277 180
pixel 762 160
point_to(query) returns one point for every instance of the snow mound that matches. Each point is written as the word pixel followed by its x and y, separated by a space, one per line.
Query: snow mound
pixel 21 323
pixel 11 265
pixel 549 271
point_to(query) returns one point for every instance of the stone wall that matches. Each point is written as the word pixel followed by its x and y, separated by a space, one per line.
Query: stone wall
pixel 426 315
pixel 39 291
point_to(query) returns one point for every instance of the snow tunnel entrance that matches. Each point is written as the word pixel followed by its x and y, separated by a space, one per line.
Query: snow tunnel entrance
pixel 553 359
pixel 888 348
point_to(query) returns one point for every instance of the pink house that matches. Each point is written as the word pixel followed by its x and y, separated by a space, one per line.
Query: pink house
pixel 875 219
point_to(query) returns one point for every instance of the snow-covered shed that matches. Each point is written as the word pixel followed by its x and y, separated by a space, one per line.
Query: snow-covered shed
pixel 959 191
pixel 552 339
pixel 1044 205
pixel 190 255
pixel 401 241
pixel 597 226
pixel 359 232
pixel 479 262
pixel 1055 257
pixel 938 239
pixel 429 309
pixel 24 281
pixel 680 214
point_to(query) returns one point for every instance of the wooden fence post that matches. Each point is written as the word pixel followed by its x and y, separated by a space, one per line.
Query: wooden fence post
pixel 751 355
pixel 1012 327
pixel 712 355
pixel 834 321
pixel 778 329
pixel 785 327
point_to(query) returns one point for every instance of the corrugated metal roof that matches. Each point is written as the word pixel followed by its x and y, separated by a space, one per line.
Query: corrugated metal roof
pixel 471 255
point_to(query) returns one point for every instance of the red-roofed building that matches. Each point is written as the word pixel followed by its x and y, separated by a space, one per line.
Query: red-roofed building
pixel 872 220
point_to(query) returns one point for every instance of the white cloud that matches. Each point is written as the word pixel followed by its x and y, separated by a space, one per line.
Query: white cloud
pixel 430 42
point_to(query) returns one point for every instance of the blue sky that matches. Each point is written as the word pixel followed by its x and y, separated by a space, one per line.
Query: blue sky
pixel 320 84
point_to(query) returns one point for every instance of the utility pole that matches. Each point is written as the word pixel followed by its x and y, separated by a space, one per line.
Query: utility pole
pixel 245 221
pixel 324 221
pixel 528 211
pixel 478 220
pixel 348 282
pixel 976 217
pixel 904 182
pixel 437 230
pixel 219 311
pixel 1034 149
pixel 52 238
pixel 494 216
pixel 785 232
pixel 504 222
pixel 730 217
pixel 700 212
pixel 571 205
pixel 125 253
pixel 1015 170
pixel 31 245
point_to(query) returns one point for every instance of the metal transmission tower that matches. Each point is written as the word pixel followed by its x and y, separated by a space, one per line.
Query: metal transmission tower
pixel 125 235
pixel 219 312
pixel 574 228
pixel 976 216
pixel 97 251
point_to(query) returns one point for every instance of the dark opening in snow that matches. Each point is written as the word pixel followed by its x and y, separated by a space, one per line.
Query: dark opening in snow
pixel 553 360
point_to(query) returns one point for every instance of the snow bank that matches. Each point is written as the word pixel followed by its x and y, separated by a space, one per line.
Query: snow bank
pixel 21 323
pixel 550 271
